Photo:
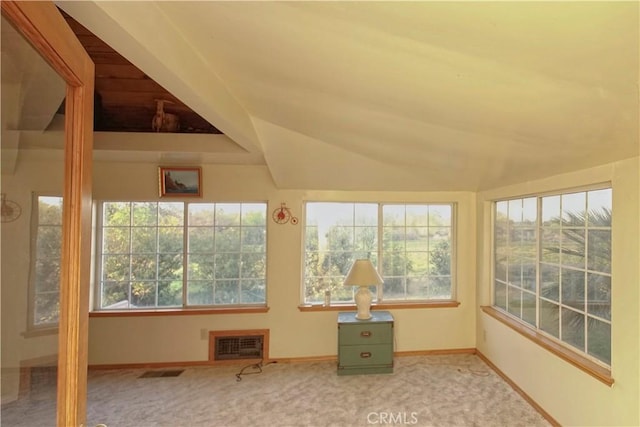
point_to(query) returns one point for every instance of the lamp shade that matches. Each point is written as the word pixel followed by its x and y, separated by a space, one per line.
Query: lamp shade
pixel 362 273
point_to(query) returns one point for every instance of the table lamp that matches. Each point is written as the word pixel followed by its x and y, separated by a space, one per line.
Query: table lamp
pixel 363 274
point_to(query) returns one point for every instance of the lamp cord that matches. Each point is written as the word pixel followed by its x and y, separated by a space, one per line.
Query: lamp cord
pixel 258 366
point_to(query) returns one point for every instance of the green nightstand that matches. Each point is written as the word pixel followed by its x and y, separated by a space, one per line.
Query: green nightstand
pixel 365 346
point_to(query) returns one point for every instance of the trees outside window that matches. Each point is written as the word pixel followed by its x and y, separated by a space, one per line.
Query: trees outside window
pixel 411 245
pixel 174 254
pixel 552 266
pixel 45 262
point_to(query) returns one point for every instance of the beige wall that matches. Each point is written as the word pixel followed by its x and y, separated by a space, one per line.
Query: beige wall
pixel 178 338
pixel 571 396
pixel 293 333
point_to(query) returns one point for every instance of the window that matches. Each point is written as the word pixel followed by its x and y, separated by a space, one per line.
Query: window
pixel 552 266
pixel 45 262
pixel 411 245
pixel 174 254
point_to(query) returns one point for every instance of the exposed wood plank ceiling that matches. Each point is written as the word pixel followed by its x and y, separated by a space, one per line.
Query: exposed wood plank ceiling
pixel 126 98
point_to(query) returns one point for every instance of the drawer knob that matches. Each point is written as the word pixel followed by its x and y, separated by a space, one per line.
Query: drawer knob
pixel 365 334
pixel 365 354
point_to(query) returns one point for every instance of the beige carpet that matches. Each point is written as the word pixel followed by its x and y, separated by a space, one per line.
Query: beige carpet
pixel 452 390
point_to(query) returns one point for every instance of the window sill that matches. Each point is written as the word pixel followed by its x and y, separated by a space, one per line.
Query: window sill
pixel 600 373
pixel 383 306
pixel 179 312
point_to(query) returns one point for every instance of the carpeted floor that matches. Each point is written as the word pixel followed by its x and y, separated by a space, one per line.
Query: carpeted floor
pixel 451 390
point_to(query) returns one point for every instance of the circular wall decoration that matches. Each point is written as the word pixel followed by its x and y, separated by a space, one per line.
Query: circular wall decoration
pixel 282 215
pixel 9 210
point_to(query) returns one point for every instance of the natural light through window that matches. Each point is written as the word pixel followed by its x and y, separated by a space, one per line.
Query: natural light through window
pixel 174 254
pixel 552 266
pixel 410 245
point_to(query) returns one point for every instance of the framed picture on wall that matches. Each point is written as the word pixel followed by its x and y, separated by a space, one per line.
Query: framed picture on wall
pixel 180 181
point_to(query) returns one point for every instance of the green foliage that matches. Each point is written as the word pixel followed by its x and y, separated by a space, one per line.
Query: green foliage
pixel 226 257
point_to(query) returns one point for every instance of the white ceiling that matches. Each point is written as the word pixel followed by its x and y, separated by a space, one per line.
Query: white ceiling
pixel 395 95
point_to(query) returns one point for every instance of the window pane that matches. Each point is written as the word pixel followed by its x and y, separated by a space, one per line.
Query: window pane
pixel 115 240
pixel 500 295
pixel 227 266
pixel 599 251
pixel 393 215
pixel 550 282
pixel 254 214
pixel 170 239
pixel 574 209
pixel 417 287
pixel 170 293
pixel 530 211
pixel 417 215
pixel 549 317
pixel 515 210
pixel 440 215
pixel 116 213
pixel 551 211
pixel 227 292
pixel 599 336
pixel 419 262
pixel 599 204
pixel 171 214
pixel 254 239
pixel 143 267
pixel 201 214
pixel 599 295
pixel 47 308
pixel 253 266
pixel 200 292
pixel 143 240
pixel 49 210
pixel 227 239
pixel 573 328
pixel 145 213
pixel 573 288
pixel 529 308
pixel 394 288
pixel 143 294
pixel 201 267
pixel 115 295
pixel 573 248
pixel 252 291
pixel 550 244
pixel 115 267
pixel 440 288
pixel 201 240
pixel 514 304
pixel 170 266
pixel 227 214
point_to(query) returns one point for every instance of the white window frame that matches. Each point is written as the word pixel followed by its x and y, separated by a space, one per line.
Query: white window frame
pixel 539 227
pixel 379 291
pixel 97 288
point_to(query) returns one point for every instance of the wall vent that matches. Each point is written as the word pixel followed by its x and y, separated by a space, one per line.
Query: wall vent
pixel 231 346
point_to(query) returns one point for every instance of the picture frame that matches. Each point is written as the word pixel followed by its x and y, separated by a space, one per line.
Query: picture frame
pixel 178 181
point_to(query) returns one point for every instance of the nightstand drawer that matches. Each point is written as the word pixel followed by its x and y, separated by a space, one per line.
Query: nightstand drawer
pixel 365 334
pixel 353 356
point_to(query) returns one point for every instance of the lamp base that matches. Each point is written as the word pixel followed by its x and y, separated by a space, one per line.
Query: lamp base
pixel 363 302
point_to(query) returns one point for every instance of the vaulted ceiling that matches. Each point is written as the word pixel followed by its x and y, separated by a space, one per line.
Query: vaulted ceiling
pixel 394 95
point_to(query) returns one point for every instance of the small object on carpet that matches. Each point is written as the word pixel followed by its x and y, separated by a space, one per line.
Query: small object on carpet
pixel 161 374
